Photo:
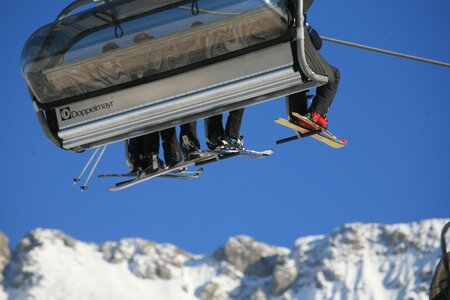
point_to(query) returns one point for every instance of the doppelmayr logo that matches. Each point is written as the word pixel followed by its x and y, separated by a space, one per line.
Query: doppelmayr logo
pixel 67 114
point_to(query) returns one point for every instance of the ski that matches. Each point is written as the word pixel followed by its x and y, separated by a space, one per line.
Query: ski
pixel 255 154
pixel 135 174
pixel 305 127
pixel 245 153
pixel 166 172
pixel 181 176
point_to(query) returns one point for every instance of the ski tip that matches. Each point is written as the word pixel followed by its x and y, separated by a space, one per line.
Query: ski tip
pixel 344 141
pixel 268 152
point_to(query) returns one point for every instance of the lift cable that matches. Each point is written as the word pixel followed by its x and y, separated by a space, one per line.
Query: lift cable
pixel 425 60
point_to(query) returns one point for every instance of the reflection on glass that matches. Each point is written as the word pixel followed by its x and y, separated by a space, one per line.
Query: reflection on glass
pixel 67 58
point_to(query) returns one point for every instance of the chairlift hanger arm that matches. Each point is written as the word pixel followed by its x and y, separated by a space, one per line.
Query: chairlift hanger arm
pixel 401 55
pixel 73 6
pixel 301 50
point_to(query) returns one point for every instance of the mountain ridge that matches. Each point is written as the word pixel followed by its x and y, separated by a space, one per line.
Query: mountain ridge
pixel 355 261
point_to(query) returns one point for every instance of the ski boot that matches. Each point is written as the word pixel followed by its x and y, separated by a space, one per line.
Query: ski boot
pixel 151 164
pixel 318 118
pixel 214 142
pixel 133 163
pixel 189 149
pixel 230 143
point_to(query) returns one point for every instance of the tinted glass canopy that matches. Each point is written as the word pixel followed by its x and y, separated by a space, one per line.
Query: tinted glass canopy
pixel 135 41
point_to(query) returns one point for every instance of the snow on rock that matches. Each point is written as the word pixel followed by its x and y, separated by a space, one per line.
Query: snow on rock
pixel 146 259
pixel 356 261
pixel 249 256
pixel 284 275
pixel 5 256
pixel 50 265
pixel 369 261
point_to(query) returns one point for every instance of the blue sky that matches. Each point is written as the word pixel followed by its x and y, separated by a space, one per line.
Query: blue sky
pixel 394 112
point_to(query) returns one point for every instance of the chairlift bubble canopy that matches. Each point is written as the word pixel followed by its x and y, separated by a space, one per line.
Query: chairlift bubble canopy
pixel 129 67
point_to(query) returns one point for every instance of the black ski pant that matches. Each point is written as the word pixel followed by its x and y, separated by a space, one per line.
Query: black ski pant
pixel 232 128
pixel 149 144
pixel 322 100
pixel 298 103
pixel 190 130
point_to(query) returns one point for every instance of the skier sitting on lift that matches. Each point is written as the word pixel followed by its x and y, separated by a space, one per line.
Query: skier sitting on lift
pixel 217 137
pixel 325 94
pixel 229 138
pixel 144 150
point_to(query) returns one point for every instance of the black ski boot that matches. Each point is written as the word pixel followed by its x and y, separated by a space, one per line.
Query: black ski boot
pixel 133 163
pixel 152 164
pixel 214 142
pixel 189 149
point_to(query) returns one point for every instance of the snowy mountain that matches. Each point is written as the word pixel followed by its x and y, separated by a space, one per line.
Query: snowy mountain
pixel 356 261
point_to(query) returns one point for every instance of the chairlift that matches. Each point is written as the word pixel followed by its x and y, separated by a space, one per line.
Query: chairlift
pixel 125 68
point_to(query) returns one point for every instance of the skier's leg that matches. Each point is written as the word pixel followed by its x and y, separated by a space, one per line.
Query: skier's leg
pixel 189 140
pixel 326 93
pixel 214 131
pixel 150 152
pixel 172 154
pixel 136 152
pixel 150 142
pixel 135 146
pixel 233 139
pixel 298 103
pixel 234 123
pixel 190 130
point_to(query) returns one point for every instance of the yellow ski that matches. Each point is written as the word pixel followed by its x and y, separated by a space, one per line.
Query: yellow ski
pixel 318 133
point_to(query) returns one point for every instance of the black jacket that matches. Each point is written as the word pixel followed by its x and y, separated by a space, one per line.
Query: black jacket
pixel 315 37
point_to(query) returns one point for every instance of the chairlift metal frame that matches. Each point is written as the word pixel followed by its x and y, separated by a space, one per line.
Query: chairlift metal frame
pixel 269 72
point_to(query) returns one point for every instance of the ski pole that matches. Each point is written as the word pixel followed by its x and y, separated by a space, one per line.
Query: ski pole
pixel 76 180
pixel 84 187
